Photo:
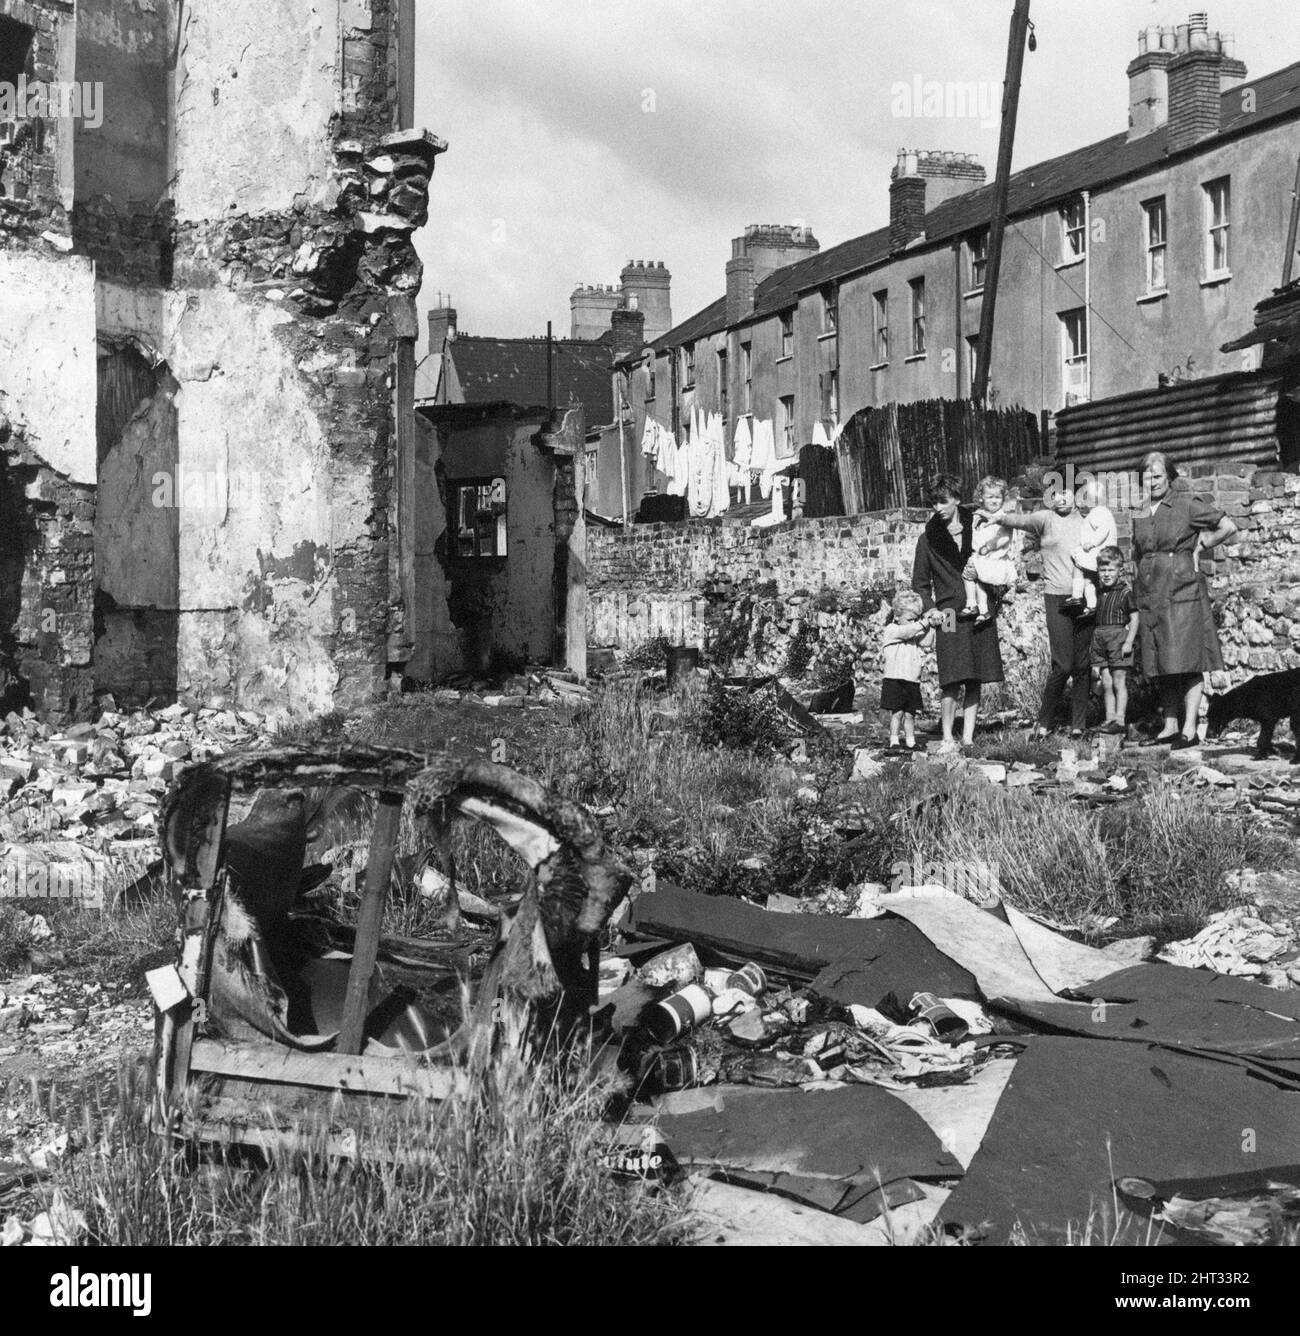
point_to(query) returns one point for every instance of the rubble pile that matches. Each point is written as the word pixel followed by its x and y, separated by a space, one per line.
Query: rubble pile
pixel 79 805
pixel 1243 942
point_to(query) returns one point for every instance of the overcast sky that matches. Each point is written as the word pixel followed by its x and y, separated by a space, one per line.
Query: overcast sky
pixel 585 133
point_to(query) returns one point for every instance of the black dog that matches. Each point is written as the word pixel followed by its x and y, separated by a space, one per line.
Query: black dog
pixel 1265 699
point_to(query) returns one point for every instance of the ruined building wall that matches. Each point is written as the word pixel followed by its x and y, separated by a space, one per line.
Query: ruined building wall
pixel 248 202
pixel 47 392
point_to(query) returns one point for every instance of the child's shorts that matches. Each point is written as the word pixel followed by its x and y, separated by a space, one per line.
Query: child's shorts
pixel 1108 647
pixel 896 694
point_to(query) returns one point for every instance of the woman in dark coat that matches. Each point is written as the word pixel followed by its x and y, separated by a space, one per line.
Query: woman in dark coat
pixel 1178 637
pixel 968 655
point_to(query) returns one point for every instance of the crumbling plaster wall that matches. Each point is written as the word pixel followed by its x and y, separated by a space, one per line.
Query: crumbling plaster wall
pixel 47 351
pixel 47 405
pixel 257 90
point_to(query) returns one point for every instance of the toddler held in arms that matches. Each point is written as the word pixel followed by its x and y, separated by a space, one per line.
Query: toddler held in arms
pixel 1098 532
pixel 990 564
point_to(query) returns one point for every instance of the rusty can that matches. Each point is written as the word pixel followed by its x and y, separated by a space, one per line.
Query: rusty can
pixel 749 978
pixel 673 1069
pixel 682 1011
pixel 945 1022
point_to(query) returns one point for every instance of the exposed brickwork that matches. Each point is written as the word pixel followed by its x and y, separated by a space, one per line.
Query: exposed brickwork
pixel 1194 100
pixel 47 584
pixel 906 210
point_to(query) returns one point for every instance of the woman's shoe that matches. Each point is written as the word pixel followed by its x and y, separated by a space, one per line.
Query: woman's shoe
pixel 1076 735
pixel 1163 740
pixel 1113 726
pixel 1182 743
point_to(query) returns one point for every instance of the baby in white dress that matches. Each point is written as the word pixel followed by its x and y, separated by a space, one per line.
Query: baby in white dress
pixel 995 571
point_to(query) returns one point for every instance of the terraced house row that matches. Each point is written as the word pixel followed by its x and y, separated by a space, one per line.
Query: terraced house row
pixel 1125 262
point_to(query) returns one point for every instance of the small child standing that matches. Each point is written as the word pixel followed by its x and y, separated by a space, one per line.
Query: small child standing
pixel 1097 532
pixel 994 570
pixel 1115 636
pixel 900 693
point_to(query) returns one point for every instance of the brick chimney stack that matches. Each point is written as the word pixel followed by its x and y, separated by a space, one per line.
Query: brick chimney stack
pixel 924 180
pixel 647 287
pixel 762 250
pixel 442 326
pixel 627 333
pixel 1201 69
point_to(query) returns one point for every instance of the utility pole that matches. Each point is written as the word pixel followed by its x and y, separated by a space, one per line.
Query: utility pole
pixel 550 380
pixel 998 224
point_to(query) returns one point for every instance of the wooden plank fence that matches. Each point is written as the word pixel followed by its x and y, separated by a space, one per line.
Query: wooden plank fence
pixel 886 455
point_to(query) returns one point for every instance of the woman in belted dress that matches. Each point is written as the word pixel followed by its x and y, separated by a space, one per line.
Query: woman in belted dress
pixel 1179 641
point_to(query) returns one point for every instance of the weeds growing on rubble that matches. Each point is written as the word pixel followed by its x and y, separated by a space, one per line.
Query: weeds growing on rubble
pixel 512 1159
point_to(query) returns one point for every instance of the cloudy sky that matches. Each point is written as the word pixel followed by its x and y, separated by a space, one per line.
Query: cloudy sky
pixel 585 133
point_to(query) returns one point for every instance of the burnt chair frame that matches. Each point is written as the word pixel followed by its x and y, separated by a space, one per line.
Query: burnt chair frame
pixel 572 888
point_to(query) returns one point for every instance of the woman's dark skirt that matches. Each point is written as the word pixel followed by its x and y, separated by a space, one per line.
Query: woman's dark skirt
pixel 968 654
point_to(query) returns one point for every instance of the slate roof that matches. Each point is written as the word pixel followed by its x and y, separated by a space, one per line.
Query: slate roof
pixel 514 371
pixel 1089 168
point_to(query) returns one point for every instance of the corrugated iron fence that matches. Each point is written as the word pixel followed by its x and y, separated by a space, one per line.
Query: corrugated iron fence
pixel 886 455
pixel 1239 418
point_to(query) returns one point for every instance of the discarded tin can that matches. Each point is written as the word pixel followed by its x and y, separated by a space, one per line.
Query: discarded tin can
pixel 673 1069
pixel 678 966
pixel 749 979
pixel 681 1012
pixel 945 1022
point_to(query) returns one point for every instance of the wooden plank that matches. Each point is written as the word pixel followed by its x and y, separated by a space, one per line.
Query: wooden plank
pixel 330 1071
pixel 379 869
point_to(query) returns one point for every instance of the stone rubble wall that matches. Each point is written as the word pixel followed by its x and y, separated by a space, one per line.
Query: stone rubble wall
pixel 750 593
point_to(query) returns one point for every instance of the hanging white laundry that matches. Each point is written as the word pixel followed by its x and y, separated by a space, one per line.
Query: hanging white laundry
pixel 721 473
pixel 665 450
pixel 678 471
pixel 649 442
pixel 777 514
pixel 742 444
pixel 699 496
pixel 819 436
pixel 763 459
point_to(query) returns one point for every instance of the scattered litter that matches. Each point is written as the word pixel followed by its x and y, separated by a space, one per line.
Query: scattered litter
pixel 678 967
pixel 1236 941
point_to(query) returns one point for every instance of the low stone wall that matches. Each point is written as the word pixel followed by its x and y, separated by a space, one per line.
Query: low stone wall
pixel 750 593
